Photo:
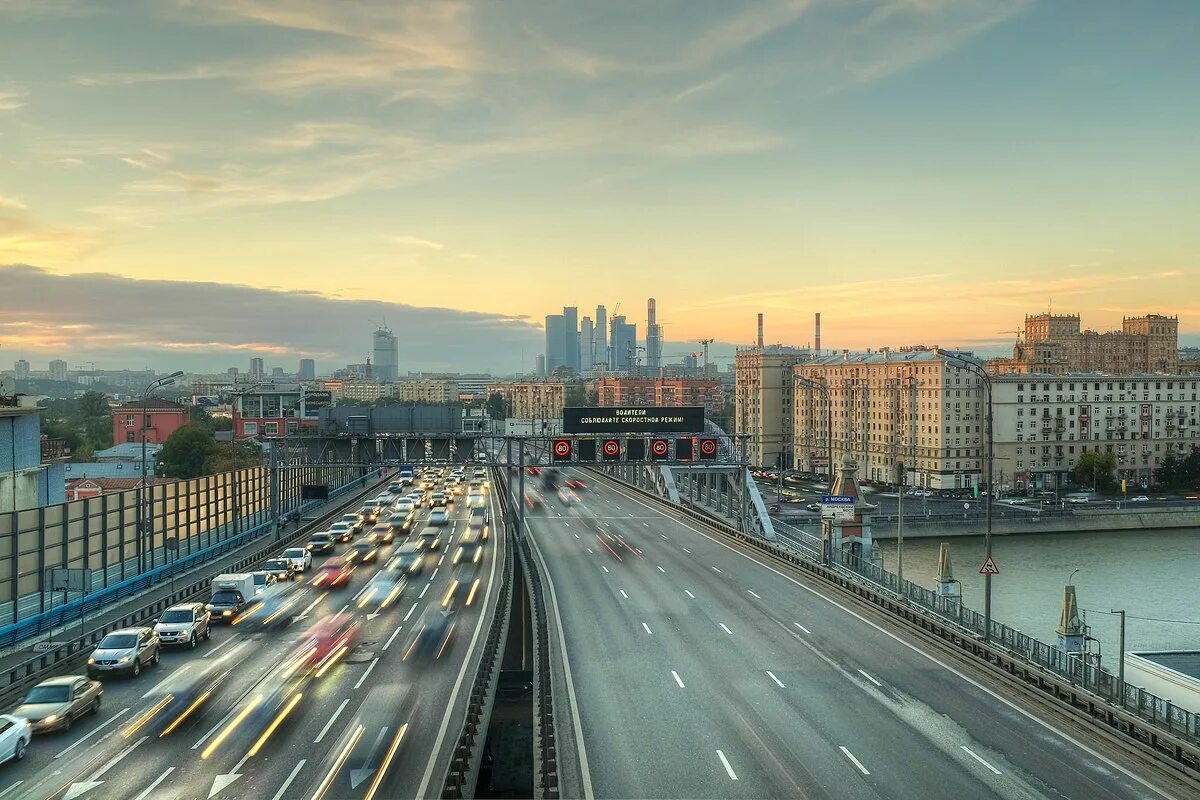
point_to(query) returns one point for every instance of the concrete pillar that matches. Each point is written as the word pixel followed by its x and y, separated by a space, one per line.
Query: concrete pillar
pixel 1072 633
pixel 947 586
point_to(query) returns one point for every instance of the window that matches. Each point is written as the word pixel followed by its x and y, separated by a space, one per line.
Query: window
pixel 129 421
pixel 270 428
pixel 250 428
pixel 130 436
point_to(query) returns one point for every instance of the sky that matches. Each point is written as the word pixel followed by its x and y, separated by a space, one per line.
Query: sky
pixel 195 182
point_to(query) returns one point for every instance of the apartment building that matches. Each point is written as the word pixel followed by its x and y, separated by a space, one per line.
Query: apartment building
pixel 1055 343
pixel 427 391
pixel 763 389
pixel 361 391
pixel 531 399
pixel 1045 422
pixel 888 406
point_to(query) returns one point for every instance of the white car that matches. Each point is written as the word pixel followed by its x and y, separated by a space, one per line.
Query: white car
pixel 298 557
pixel 1077 500
pixel 15 733
pixel 438 516
pixel 404 506
pixel 1141 498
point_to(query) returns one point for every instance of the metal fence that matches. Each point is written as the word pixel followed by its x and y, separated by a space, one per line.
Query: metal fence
pixel 1087 675
pixel 184 521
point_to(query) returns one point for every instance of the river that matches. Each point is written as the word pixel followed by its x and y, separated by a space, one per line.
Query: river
pixel 1151 574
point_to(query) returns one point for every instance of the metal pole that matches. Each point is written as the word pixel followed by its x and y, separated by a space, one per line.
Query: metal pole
pixel 900 530
pixel 1121 656
pixel 521 491
pixel 141 526
pixel 987 537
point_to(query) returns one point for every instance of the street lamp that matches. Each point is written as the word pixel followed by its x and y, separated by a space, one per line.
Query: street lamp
pixel 961 362
pixel 808 383
pixel 143 511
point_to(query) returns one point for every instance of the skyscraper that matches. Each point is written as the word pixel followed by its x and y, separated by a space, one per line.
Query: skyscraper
pixel 21 370
pixel 587 355
pixel 624 345
pixel 571 341
pixel 600 333
pixel 556 342
pixel 540 365
pixel 653 340
pixel 256 369
pixel 386 361
pixel 307 370
pixel 58 370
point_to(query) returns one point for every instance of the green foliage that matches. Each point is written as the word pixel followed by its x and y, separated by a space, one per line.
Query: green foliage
pixel 229 456
pixel 84 423
pixel 575 395
pixel 1097 468
pixel 187 452
pixel 1176 472
pixel 496 407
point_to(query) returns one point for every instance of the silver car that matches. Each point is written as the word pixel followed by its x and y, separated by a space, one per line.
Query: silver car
pixel 55 703
pixel 184 624
pixel 126 651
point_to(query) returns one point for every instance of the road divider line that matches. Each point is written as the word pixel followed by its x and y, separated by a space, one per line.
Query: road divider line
pixel 363 677
pixel 647 627
pixel 6 792
pixel 854 760
pixel 689 594
pixel 678 680
pixel 725 763
pixel 288 782
pixel 752 594
pixel 435 572
pixel 716 569
pixel 228 640
pixel 589 550
pixel 975 756
pixel 868 677
pixel 660 569
pixel 410 612
pixel 724 628
pixel 440 560
pixel 622 591
pixel 422 594
pixel 92 733
pixel 391 638
pixel 689 552
pixel 336 713
pixel 772 676
pixel 801 627
pixel 604 568
pixel 343 608
pixel 576 535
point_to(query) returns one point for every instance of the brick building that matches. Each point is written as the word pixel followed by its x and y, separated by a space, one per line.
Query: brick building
pixel 155 420
pixel 621 391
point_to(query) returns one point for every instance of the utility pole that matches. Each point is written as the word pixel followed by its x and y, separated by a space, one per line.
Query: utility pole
pixel 1121 652
pixel 900 530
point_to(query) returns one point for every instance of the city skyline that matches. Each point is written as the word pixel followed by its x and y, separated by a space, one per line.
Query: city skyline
pixel 870 162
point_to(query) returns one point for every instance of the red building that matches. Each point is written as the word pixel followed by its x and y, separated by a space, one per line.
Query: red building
pixel 157 418
pixel 616 391
pixel 82 488
pixel 277 410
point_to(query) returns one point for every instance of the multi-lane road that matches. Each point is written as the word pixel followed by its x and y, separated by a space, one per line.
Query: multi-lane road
pixel 686 668
pixel 374 724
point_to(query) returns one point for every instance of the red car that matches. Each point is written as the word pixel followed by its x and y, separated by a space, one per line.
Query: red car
pixel 335 572
pixel 533 471
pixel 328 641
pixel 575 483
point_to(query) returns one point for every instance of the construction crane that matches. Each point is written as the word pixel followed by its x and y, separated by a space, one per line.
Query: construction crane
pixel 1020 334
pixel 706 343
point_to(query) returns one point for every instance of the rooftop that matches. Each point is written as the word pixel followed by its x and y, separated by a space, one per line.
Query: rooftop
pixel 1185 662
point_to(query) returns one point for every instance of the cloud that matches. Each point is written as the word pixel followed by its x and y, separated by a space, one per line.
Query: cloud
pixel 413 241
pixel 12 202
pixel 23 237
pixel 208 326
pixel 11 100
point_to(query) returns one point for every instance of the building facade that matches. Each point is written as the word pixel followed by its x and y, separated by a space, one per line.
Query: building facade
pixel 58 370
pixel 763 402
pixel 28 479
pixel 627 391
pixel 154 421
pixel 427 391
pixel 623 356
pixel 1055 343
pixel 257 371
pixel 276 410
pixel 600 338
pixel 361 391
pixel 386 349
pixel 888 407
pixel 531 399
pixel 556 341
pixel 306 370
pixel 1044 423
pixel 571 337
pixel 21 370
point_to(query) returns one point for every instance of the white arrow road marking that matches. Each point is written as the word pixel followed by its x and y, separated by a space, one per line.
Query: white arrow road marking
pixel 80 787
pixel 373 615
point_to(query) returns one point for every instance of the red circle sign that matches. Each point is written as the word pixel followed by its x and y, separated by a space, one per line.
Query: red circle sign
pixel 612 447
pixel 562 448
pixel 708 447
pixel 660 447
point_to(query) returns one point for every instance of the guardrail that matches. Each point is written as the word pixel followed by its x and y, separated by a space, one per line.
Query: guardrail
pixel 464 764
pixel 17 679
pixel 545 740
pixel 1134 715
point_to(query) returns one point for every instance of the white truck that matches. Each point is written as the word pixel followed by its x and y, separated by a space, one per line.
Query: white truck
pixel 238 581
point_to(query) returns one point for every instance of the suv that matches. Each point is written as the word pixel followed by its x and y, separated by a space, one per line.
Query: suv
pixel 126 650
pixel 186 623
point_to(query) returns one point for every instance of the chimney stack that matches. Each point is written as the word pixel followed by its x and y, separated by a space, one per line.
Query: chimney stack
pixel 760 330
pixel 817 340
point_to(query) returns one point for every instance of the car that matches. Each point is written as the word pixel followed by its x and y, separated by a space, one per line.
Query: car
pixel 430 538
pixel 355 521
pixel 329 640
pixel 469 551
pixel 477 523
pixel 15 735
pixel 567 496
pixel 263 580
pixel 575 483
pixel 299 557
pixel 321 543
pixel 1016 501
pixel 431 634
pixel 126 650
pixel 405 505
pixel 381 533
pixel 438 516
pixel 184 624
pixel 417 498
pixel 409 558
pixel 476 500
pixel 1141 498
pixel 813 507
pixel 1077 499
pixel 439 499
pixel 395 487
pixel 401 522
pixel 281 567
pixel 225 604
pixel 55 703
pixel 334 573
pixel 342 531
pixel 534 500
pixel 362 552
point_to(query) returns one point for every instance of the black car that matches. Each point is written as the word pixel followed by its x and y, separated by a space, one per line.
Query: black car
pixel 281 568
pixel 225 605
pixel 321 543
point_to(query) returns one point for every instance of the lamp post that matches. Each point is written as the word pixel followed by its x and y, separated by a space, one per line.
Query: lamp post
pixel 962 362
pixel 143 511
pixel 823 388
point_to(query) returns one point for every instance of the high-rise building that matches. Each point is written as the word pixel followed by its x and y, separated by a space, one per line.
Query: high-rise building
pixel 763 402
pixel 571 334
pixel 653 340
pixel 58 370
pixel 1054 343
pixel 307 370
pixel 256 369
pixel 531 399
pixel 386 361
pixel 600 334
pixel 232 372
pixel 587 344
pixel 277 373
pixel 540 365
pixel 624 345
pixel 556 342
pixel 21 370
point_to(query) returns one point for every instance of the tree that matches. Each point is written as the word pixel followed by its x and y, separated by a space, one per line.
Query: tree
pixel 1170 472
pixel 187 451
pixel 1095 468
pixel 574 395
pixel 230 456
pixel 496 407
pixel 94 404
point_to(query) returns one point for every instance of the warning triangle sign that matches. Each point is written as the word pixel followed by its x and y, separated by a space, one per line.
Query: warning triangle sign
pixel 989 567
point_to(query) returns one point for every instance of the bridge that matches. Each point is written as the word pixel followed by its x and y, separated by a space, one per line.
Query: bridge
pixel 636 633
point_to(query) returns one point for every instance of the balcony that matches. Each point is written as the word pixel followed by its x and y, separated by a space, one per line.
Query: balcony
pixel 54 449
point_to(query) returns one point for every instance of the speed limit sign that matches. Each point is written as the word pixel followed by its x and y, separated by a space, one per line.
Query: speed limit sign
pixel 562 449
pixel 708 448
pixel 611 449
pixel 659 448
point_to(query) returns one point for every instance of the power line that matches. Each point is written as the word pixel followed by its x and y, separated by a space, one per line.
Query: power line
pixel 1147 619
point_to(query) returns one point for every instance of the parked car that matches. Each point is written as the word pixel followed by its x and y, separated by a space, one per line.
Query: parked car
pixel 15 734
pixel 185 623
pixel 126 650
pixel 55 703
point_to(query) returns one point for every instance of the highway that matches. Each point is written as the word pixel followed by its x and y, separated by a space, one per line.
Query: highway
pixel 373 723
pixel 685 668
